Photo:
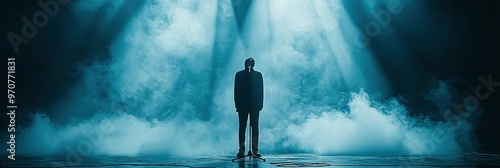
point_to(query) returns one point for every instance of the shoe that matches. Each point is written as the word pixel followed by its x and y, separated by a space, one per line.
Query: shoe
pixel 241 154
pixel 257 154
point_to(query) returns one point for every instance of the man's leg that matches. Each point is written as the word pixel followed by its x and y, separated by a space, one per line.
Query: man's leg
pixel 243 117
pixel 254 123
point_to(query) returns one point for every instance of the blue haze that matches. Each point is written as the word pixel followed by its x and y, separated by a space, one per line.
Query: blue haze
pixel 168 87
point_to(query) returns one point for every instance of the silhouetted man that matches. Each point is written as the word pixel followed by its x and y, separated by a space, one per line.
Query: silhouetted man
pixel 248 99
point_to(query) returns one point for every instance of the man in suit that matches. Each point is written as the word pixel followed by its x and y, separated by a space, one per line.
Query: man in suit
pixel 248 99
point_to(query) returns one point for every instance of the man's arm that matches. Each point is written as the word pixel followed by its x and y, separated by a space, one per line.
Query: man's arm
pixel 261 88
pixel 236 91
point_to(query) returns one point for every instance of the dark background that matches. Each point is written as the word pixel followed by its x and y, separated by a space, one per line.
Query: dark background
pixel 457 40
pixel 453 40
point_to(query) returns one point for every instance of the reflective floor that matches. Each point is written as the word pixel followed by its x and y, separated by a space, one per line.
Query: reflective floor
pixel 296 160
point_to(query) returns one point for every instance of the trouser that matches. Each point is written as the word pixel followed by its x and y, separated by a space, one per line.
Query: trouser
pixel 254 124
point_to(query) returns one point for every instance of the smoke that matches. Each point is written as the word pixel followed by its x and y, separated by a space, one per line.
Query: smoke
pixel 159 96
pixel 372 128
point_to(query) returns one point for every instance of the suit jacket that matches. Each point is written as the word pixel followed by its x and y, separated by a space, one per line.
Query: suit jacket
pixel 248 91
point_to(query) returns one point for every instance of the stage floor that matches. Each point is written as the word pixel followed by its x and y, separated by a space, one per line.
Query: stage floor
pixel 295 160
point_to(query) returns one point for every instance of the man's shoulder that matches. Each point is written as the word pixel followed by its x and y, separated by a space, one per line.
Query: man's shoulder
pixel 240 72
pixel 258 73
pixel 244 72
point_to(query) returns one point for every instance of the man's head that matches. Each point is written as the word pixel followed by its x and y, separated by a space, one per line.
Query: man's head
pixel 249 63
